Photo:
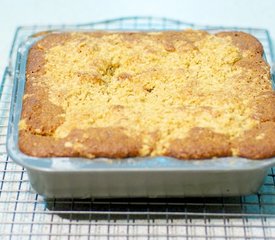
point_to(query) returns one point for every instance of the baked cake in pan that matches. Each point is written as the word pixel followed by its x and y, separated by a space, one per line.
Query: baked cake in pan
pixel 188 94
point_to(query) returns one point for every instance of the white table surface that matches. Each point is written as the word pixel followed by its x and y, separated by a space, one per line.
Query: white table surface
pixel 246 13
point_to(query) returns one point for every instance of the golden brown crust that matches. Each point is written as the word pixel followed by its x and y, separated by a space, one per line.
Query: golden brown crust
pixel 244 41
pixel 43 146
pixel 105 142
pixel 100 142
pixel 39 114
pixel 201 143
pixel 36 60
pixel 264 107
pixel 41 117
pixel 257 143
pixel 253 49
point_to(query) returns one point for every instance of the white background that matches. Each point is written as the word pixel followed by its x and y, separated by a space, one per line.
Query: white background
pixel 246 13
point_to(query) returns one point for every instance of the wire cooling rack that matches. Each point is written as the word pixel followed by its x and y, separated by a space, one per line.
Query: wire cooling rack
pixel 26 215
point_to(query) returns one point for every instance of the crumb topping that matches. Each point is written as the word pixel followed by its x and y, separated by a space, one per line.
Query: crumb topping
pixel 154 86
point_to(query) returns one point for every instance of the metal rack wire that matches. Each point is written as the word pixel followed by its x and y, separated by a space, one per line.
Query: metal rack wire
pixel 26 215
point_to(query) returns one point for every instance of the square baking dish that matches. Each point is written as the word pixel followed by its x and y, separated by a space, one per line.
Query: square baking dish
pixel 65 177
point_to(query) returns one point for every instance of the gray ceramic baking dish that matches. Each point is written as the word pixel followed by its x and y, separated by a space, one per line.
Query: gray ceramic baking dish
pixel 132 177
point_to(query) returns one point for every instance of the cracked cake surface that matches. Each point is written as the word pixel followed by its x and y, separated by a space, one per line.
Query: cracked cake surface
pixel 187 94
